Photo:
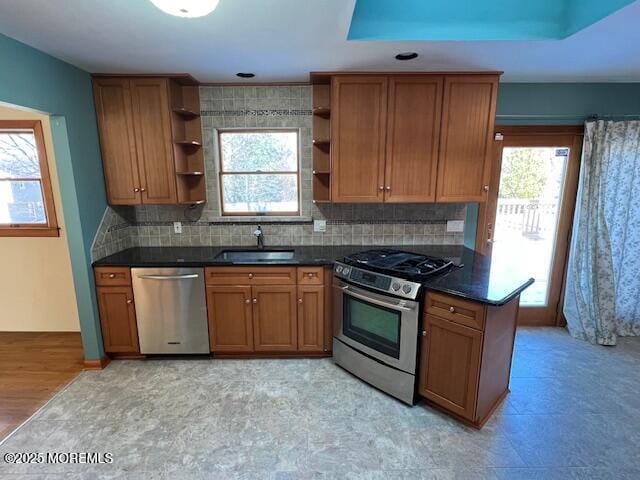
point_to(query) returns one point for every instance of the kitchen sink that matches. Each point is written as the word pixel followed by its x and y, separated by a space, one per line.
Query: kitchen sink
pixel 255 255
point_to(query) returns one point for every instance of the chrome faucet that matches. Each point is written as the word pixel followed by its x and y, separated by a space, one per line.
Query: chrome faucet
pixel 259 236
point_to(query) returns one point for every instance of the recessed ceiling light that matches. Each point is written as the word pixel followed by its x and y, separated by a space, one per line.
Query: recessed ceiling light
pixel 406 56
pixel 245 74
pixel 186 8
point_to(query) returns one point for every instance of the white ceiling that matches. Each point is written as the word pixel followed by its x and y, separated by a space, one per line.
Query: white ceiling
pixel 282 40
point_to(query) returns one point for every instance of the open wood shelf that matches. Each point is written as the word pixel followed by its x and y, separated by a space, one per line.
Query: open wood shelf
pixel 321 143
pixel 188 143
pixel 323 112
pixel 186 113
pixel 187 140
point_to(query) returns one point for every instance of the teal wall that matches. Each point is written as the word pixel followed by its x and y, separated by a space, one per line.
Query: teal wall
pixel 557 104
pixel 564 103
pixel 32 79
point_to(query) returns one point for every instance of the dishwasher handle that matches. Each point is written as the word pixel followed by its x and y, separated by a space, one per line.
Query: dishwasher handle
pixel 189 276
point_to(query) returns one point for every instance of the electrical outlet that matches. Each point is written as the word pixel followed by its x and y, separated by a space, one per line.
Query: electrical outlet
pixel 177 227
pixel 455 226
pixel 319 225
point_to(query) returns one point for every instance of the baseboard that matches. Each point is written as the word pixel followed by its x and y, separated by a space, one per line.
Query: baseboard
pixel 96 364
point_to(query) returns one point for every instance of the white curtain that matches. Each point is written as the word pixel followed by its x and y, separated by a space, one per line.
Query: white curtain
pixel 602 297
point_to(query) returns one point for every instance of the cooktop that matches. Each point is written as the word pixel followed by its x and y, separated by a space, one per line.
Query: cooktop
pixel 411 266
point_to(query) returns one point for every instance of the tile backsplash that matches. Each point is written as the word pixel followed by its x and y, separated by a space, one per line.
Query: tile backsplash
pixel 272 106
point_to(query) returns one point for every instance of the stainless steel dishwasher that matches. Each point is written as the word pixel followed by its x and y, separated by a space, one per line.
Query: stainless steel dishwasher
pixel 171 310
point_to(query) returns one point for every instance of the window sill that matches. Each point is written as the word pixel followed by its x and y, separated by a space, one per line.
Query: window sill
pixel 29 232
pixel 259 219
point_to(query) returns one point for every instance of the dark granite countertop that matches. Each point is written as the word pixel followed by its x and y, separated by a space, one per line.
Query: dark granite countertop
pixel 479 278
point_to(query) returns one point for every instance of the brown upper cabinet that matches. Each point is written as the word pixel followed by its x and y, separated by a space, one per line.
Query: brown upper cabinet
pixel 358 126
pixel 468 118
pixel 413 128
pixel 411 138
pixel 150 134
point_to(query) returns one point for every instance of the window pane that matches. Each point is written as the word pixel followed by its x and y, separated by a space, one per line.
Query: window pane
pixel 260 193
pixel 21 202
pixel 529 202
pixel 259 151
pixel 18 155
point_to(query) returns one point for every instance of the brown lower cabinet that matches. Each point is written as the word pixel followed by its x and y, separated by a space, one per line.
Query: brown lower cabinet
pixel 118 320
pixel 465 356
pixel 259 310
pixel 117 310
pixel 275 320
pixel 311 318
pixel 264 316
pixel 230 318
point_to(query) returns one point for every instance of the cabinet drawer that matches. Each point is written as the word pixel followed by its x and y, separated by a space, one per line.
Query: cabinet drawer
pixel 463 312
pixel 113 276
pixel 250 275
pixel 310 276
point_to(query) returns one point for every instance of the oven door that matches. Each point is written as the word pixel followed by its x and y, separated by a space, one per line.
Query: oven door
pixel 378 325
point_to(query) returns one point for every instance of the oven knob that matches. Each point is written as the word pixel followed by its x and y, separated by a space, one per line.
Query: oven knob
pixel 406 288
pixel 339 268
pixel 395 286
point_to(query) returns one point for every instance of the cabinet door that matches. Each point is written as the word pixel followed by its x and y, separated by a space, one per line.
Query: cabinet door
pixel 358 130
pixel 274 318
pixel 468 117
pixel 230 319
pixel 117 140
pixel 310 318
pixel 118 319
pixel 153 140
pixel 450 365
pixel 413 135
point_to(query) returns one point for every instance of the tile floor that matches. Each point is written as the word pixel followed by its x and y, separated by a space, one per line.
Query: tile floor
pixel 574 413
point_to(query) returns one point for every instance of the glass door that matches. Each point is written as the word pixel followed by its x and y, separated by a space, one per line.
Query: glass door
pixel 528 216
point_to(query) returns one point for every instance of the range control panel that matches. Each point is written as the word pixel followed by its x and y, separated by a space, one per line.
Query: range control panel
pixel 377 281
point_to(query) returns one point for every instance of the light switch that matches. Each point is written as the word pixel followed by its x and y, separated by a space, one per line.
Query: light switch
pixel 455 226
pixel 177 227
pixel 319 225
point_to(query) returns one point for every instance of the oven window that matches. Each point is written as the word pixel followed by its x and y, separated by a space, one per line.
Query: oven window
pixel 371 325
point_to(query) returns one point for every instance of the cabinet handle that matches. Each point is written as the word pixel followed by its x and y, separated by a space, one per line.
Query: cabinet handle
pixel 247 301
pixel 255 300
pixel 143 189
pixel 311 274
pixel 299 300
pixel 452 310
pixel 486 188
pixel 388 187
pixel 136 189
pixel 129 301
pixel 381 188
pixel 424 333
pixel 251 275
pixel 112 275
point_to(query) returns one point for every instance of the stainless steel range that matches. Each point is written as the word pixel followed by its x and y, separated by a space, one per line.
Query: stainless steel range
pixel 377 305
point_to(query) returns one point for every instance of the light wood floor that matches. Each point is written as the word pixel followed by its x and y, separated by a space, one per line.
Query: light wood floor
pixel 33 367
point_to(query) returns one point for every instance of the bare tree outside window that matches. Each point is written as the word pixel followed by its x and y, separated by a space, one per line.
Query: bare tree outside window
pixel 26 200
pixel 259 172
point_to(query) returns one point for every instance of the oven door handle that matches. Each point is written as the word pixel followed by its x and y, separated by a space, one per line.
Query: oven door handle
pixel 346 289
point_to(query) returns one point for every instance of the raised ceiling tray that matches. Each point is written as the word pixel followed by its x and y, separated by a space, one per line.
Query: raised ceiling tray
pixel 468 20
